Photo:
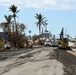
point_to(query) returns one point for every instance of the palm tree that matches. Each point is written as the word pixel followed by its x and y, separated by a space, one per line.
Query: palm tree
pixel 8 18
pixel 8 21
pixel 21 34
pixel 14 10
pixel 21 28
pixel 41 21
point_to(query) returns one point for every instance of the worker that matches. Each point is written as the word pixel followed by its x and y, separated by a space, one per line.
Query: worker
pixel 30 44
pixel 25 45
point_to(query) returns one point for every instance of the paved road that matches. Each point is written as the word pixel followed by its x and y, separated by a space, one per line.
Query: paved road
pixel 37 61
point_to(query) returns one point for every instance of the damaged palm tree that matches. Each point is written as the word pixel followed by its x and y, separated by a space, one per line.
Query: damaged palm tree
pixel 14 10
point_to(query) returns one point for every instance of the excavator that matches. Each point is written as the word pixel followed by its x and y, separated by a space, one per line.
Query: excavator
pixel 63 42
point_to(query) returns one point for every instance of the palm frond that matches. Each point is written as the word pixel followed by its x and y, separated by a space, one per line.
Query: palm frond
pixel 8 18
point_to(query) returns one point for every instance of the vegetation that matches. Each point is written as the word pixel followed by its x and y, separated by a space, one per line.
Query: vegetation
pixel 8 22
pixel 14 10
pixel 1 43
pixel 40 21
pixel 16 31
pixel 35 37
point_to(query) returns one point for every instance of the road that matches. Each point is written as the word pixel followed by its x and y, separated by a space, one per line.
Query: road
pixel 37 61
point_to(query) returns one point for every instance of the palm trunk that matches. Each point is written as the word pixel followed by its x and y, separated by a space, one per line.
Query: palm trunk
pixel 8 32
pixel 15 41
pixel 15 24
pixel 40 29
pixel 13 27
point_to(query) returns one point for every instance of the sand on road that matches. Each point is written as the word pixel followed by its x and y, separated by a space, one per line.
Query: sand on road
pixel 35 62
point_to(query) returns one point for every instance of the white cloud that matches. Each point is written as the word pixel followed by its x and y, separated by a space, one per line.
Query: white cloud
pixel 46 4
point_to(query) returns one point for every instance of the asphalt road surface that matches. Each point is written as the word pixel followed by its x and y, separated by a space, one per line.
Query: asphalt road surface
pixel 38 61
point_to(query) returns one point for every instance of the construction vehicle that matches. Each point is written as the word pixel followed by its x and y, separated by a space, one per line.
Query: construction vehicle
pixel 63 43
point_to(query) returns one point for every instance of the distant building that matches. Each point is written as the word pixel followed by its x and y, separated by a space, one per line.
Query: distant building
pixel 1 35
pixel 4 36
pixel 46 34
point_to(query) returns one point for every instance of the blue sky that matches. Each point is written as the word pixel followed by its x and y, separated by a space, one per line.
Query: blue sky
pixel 59 13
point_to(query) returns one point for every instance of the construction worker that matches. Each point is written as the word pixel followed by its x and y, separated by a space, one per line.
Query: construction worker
pixel 30 44
pixel 25 45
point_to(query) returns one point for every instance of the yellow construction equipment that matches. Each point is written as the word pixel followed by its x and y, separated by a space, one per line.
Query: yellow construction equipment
pixel 63 43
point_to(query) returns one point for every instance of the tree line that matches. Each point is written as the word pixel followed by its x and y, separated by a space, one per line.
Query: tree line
pixel 16 31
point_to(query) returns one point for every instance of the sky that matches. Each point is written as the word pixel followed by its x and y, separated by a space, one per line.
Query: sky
pixel 59 13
